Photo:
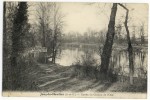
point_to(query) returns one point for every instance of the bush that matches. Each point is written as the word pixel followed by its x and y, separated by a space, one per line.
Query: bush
pixel 22 81
pixel 86 67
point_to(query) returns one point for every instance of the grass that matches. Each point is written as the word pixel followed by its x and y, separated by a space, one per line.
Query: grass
pixel 83 76
pixel 23 81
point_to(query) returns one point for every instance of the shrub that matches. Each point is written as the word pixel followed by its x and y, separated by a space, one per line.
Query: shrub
pixel 86 67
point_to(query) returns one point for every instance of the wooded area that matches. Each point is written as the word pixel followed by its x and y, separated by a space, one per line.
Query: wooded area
pixel 28 47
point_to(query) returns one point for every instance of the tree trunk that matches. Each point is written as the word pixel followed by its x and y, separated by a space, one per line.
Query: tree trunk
pixel 19 21
pixel 107 50
pixel 4 30
pixel 55 36
pixel 54 46
pixel 130 49
pixel 44 38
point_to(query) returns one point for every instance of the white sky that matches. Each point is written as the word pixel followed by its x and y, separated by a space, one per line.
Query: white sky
pixel 80 16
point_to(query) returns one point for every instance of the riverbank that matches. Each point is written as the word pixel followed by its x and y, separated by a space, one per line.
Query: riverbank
pixel 54 77
pixel 100 46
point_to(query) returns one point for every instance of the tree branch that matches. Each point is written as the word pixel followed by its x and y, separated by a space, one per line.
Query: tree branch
pixel 123 6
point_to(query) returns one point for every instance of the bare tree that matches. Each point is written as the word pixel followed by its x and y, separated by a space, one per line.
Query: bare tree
pixel 142 34
pixel 130 49
pixel 50 25
pixel 107 49
pixel 57 26
pixel 43 14
pixel 109 42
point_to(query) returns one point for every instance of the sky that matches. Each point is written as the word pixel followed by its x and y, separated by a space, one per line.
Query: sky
pixel 79 17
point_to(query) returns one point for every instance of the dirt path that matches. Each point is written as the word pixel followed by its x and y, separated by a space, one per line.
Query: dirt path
pixel 58 78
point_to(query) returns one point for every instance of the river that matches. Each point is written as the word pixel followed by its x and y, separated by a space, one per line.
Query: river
pixel 70 55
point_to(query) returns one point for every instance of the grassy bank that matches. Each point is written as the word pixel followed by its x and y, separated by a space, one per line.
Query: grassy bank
pixel 53 77
pixel 76 78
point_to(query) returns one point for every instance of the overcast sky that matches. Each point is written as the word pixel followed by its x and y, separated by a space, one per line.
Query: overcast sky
pixel 82 16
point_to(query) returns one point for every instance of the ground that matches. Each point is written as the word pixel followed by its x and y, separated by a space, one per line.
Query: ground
pixel 53 77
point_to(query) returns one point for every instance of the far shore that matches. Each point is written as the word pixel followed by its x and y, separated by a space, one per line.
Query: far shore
pixel 144 46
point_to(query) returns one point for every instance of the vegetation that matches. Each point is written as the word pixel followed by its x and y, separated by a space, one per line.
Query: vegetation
pixel 20 38
pixel 30 51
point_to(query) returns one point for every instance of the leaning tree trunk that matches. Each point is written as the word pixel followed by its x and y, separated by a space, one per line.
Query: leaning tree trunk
pixel 130 49
pixel 107 50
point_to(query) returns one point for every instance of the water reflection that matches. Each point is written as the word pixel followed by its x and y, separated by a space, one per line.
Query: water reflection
pixel 119 59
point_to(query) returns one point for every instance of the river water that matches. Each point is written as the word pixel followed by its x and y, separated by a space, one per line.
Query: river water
pixel 70 55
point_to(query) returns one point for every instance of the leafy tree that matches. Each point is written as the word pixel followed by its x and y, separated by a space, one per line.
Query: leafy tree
pixel 19 23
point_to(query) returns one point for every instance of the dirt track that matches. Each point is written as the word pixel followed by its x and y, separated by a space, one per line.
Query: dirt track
pixel 51 77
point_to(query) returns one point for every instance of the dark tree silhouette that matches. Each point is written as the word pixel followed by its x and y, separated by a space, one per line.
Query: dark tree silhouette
pixel 130 49
pixel 4 26
pixel 107 50
pixel 20 19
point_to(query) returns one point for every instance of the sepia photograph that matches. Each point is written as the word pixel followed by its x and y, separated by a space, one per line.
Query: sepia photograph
pixel 75 49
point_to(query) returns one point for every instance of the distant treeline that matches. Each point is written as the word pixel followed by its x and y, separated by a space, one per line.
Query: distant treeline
pixel 92 37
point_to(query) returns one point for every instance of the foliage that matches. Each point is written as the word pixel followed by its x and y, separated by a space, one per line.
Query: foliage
pixel 86 67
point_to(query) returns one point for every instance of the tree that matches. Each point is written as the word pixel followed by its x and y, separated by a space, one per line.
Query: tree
pixel 50 25
pixel 5 55
pixel 130 49
pixel 118 33
pixel 4 26
pixel 19 22
pixel 107 49
pixel 44 14
pixel 57 26
pixel 104 71
pixel 8 17
pixel 9 12
pixel 142 34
